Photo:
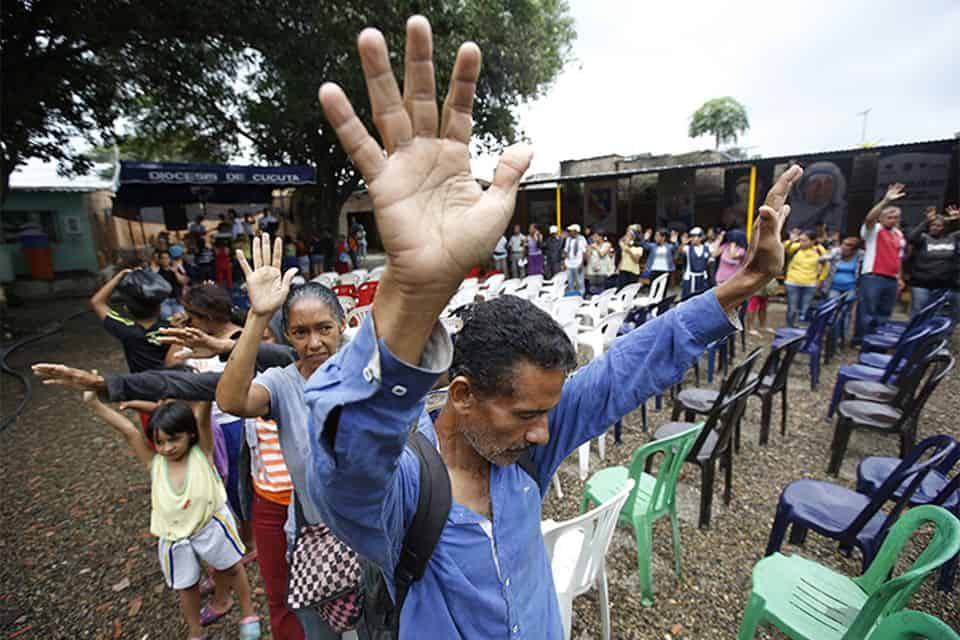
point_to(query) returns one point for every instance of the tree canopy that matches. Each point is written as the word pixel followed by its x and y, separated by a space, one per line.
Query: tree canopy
pixel 723 118
pixel 211 78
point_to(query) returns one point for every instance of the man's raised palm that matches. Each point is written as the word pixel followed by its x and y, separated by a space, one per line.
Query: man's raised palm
pixel 435 221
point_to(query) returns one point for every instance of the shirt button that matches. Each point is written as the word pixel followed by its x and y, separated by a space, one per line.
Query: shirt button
pixel 506 582
pixel 368 374
pixel 399 390
pixel 516 628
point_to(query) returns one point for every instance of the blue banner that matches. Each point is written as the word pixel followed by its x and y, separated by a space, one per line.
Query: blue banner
pixel 215 174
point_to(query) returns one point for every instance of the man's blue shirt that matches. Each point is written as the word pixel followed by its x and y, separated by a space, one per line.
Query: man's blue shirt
pixel 363 403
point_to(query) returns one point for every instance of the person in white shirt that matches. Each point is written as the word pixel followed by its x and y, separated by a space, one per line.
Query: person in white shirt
pixel 518 248
pixel 500 255
pixel 574 248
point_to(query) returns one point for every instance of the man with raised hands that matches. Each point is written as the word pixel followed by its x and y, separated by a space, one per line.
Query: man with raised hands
pixel 509 393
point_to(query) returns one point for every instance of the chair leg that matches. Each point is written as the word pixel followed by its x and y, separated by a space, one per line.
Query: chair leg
pixel 604 602
pixel 798 534
pixel 643 415
pixel 838 448
pixel 728 478
pixel 814 369
pixel 752 617
pixel 837 394
pixel 675 414
pixel 677 547
pixel 948 574
pixel 618 432
pixel 766 406
pixel 583 455
pixel 736 434
pixel 643 529
pixel 778 531
pixel 710 356
pixel 708 471
pixel 558 488
pixel 689 415
pixel 783 412
pixel 602 446
pixel 696 372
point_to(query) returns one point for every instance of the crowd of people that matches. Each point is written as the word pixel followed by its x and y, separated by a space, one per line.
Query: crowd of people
pixel 302 456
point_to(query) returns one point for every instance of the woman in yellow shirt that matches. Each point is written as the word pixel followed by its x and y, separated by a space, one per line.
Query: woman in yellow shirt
pixel 803 273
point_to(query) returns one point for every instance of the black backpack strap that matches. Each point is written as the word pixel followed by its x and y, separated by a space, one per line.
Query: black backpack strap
pixel 433 506
pixel 526 463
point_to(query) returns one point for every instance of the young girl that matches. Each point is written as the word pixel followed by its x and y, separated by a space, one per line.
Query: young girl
pixel 189 513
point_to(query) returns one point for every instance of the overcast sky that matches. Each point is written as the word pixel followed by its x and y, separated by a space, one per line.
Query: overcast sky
pixel 803 70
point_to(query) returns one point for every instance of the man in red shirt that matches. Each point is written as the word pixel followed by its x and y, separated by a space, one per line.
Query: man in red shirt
pixel 880 273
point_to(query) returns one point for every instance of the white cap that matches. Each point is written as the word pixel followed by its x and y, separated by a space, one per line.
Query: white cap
pixel 553 228
pixel 696 231
pixel 574 227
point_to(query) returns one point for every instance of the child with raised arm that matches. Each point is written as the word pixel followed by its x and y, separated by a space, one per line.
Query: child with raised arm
pixel 189 513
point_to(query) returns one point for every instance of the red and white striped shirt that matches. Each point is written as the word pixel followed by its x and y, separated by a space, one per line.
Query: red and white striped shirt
pixel 269 471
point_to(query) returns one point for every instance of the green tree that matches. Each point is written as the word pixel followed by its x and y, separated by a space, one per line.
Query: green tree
pixel 724 118
pixel 70 69
pixel 246 73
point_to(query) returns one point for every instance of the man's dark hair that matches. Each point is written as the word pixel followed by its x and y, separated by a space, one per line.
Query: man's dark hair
pixel 499 334
pixel 141 310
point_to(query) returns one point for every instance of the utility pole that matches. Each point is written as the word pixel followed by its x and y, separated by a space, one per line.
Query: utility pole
pixel 863 131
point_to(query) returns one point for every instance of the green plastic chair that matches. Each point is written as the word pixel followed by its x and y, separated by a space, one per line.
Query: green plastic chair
pixel 907 625
pixel 806 600
pixel 651 498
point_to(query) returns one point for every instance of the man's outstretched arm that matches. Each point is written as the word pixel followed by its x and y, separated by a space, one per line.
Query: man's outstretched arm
pixel 436 223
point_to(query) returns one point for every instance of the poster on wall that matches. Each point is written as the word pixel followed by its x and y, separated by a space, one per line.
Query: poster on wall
pixel 820 196
pixel 924 176
pixel 600 211
pixel 676 198
pixel 736 194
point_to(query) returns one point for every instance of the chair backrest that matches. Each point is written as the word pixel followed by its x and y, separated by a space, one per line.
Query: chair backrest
pixel 915 368
pixel 356 316
pixel 908 625
pixel 664 305
pixel 908 341
pixel 890 594
pixel 366 292
pixel 732 392
pixel 928 312
pixel 610 325
pixel 493 284
pixel 326 279
pixel 777 364
pixel 594 530
pixel 940 366
pixel 675 450
pixel 566 309
pixel 345 290
pixel 350 278
pixel 911 472
pixel 818 325
pixel 347 302
pixel 659 287
pixel 628 293
pixel 602 301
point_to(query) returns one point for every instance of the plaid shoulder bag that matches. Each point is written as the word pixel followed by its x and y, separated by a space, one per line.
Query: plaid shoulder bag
pixel 324 574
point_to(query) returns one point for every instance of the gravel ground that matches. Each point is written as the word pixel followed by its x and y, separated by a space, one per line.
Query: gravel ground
pixel 77 559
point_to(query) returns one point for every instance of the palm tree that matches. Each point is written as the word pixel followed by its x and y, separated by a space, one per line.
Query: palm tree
pixel 725 118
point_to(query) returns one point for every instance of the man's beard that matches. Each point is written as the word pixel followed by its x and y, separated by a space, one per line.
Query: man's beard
pixel 500 456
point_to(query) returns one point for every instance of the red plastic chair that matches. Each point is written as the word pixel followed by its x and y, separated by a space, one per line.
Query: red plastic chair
pixel 366 293
pixel 348 290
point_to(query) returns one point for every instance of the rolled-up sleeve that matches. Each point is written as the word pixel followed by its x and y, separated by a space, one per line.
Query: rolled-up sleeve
pixel 362 405
pixel 645 362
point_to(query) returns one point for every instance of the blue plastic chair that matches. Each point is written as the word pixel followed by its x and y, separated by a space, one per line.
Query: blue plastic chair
pixel 837 328
pixel 887 374
pixel 942 326
pixel 880 340
pixel 814 333
pixel 937 488
pixel 851 518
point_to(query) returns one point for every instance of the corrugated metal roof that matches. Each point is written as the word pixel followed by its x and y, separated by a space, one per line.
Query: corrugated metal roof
pixel 537 182
pixel 43 176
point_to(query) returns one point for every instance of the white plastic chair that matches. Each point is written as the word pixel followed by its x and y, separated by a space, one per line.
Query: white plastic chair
pixel 357 315
pixel 361 275
pixel 511 286
pixel 347 303
pixel 577 550
pixel 566 309
pixel 492 285
pixel 622 301
pixel 596 308
pixel 350 278
pixel 326 280
pixel 598 340
pixel 558 278
pixel 658 289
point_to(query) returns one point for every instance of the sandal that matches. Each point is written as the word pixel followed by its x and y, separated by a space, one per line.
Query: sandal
pixel 209 615
pixel 250 628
